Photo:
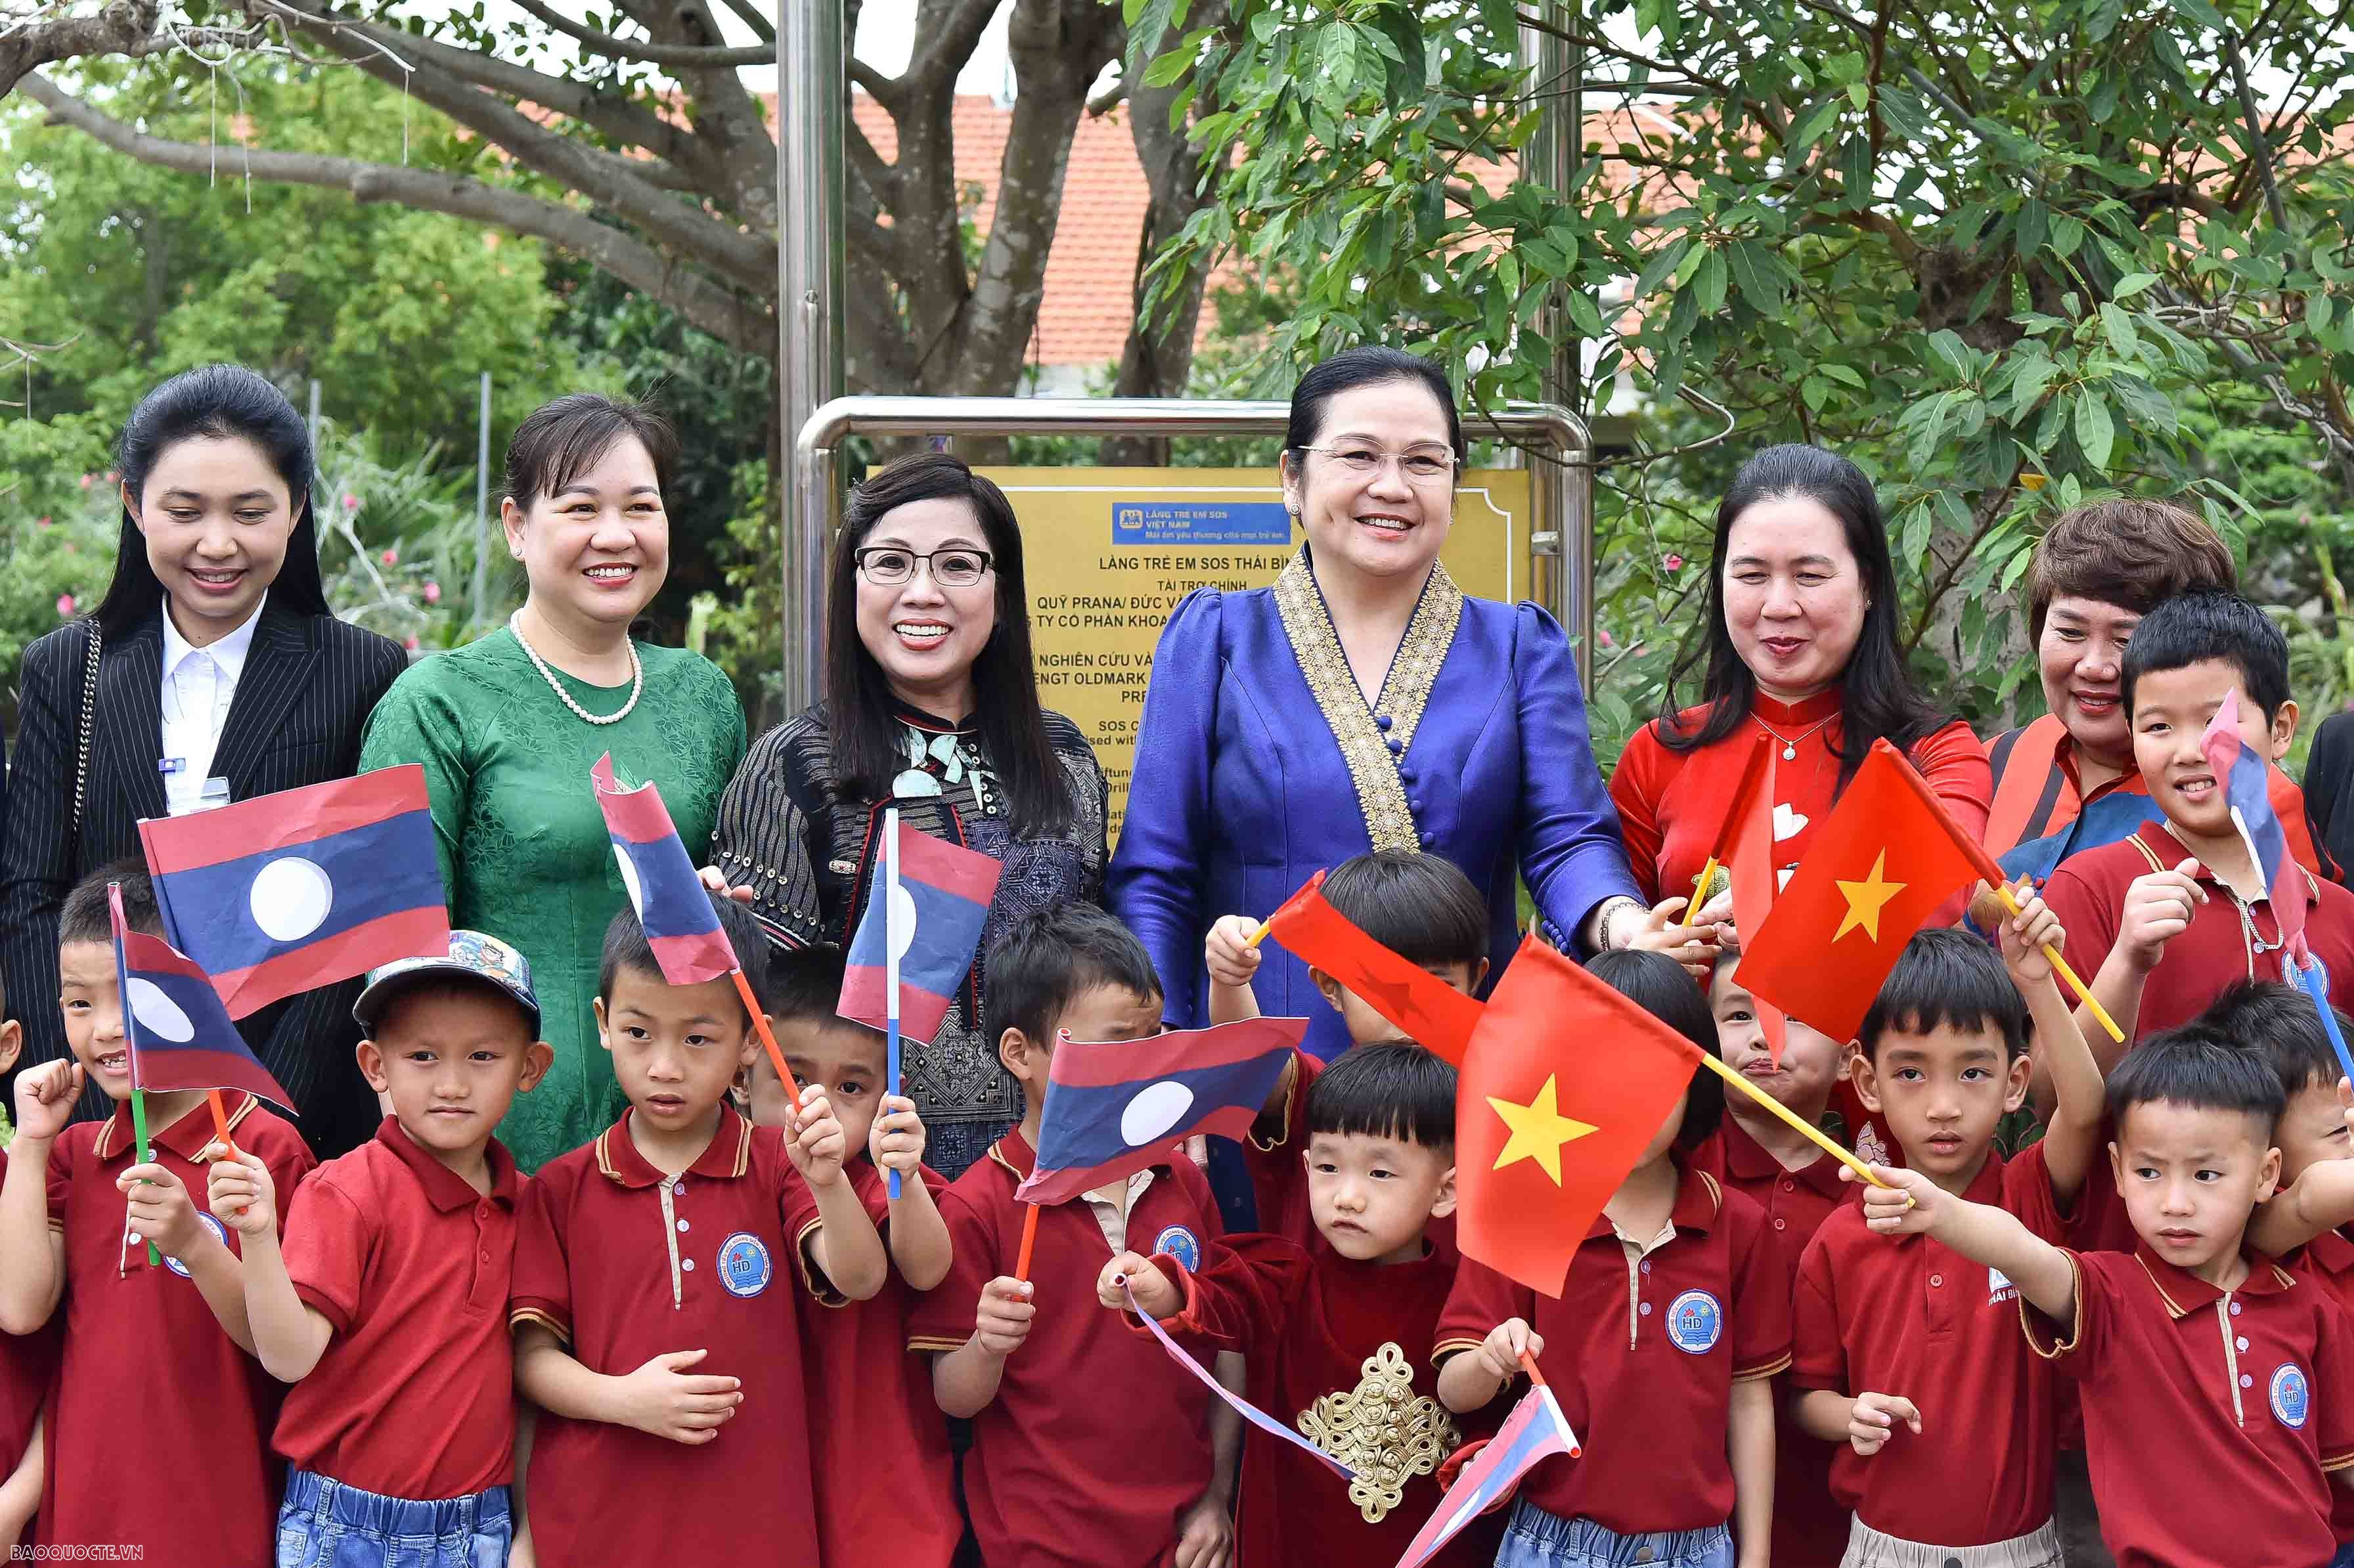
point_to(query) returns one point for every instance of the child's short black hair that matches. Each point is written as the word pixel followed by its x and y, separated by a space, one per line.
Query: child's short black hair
pixel 2200 1067
pixel 1948 975
pixel 1657 984
pixel 1420 906
pixel 626 948
pixel 2193 627
pixel 2278 1023
pixel 1045 959
pixel 1397 1090
pixel 805 984
pixel 84 916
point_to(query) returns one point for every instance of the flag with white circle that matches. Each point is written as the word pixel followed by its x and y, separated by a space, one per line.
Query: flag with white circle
pixel 672 902
pixel 285 893
pixel 175 1029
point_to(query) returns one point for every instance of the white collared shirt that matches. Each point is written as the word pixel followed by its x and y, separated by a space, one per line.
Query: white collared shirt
pixel 198 685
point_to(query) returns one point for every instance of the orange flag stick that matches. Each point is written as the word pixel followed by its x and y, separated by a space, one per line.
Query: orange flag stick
pixel 1991 875
pixel 760 1027
pixel 1029 1238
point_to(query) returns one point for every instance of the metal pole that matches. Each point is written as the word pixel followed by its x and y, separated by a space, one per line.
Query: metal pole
pixel 1557 70
pixel 482 505
pixel 314 418
pixel 812 97
pixel 1562 476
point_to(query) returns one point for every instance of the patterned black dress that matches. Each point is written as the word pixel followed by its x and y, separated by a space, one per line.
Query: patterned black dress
pixel 808 859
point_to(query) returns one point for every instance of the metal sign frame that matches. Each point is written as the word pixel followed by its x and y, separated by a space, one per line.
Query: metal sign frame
pixel 1561 460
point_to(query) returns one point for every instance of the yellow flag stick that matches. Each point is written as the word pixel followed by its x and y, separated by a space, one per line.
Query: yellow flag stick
pixel 1709 1060
pixel 2060 967
pixel 1260 934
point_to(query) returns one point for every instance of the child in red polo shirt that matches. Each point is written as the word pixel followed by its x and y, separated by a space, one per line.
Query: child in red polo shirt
pixel 1333 1336
pixel 1661 1347
pixel 1091 1448
pixel 2304 1224
pixel 1906 1357
pixel 1420 906
pixel 2208 1373
pixel 646 1327
pixel 148 1382
pixel 1757 1154
pixel 2165 919
pixel 879 1448
pixel 27 1366
pixel 386 1305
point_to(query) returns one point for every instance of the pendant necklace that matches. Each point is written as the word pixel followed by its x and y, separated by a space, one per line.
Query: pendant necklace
pixel 1789 743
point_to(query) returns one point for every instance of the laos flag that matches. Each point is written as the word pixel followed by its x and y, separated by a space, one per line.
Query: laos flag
pixel 1535 1432
pixel 671 901
pixel 286 893
pixel 1113 1108
pixel 2245 780
pixel 943 902
pixel 176 1031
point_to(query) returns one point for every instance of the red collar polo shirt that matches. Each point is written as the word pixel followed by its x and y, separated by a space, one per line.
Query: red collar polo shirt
pixel 150 1383
pixel 1096 1442
pixel 878 1443
pixel 624 1263
pixel 2212 1418
pixel 1642 1350
pixel 414 1396
pixel 1909 1316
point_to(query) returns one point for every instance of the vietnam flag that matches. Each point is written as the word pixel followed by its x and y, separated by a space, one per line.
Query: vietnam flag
pixel 1432 1014
pixel 1565 1083
pixel 1879 867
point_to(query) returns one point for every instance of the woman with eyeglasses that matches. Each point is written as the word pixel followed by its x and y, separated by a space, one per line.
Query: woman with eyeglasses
pixel 508 727
pixel 1365 702
pixel 931 706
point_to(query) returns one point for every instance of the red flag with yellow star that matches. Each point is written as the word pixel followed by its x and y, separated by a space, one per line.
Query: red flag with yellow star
pixel 1432 1013
pixel 1565 1083
pixel 1879 867
pixel 1749 862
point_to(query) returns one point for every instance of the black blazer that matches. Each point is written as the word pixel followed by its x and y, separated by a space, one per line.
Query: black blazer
pixel 307 689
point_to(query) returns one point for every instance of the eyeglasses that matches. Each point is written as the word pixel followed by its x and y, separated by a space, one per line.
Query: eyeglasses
pixel 888 566
pixel 1423 465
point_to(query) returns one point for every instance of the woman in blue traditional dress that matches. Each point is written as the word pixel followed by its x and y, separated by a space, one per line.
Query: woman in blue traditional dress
pixel 1364 702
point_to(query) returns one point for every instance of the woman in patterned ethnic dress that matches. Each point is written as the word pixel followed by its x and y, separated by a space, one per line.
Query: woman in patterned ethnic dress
pixel 931 706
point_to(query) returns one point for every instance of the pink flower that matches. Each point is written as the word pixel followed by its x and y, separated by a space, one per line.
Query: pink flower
pixel 1606 640
pixel 87 479
pixel 351 501
pixel 110 476
pixel 1675 563
pixel 65 607
pixel 392 557
pixel 40 522
pixel 433 593
pixel 411 644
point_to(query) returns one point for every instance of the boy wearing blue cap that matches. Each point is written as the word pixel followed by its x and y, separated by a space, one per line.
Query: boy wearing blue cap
pixel 386 1304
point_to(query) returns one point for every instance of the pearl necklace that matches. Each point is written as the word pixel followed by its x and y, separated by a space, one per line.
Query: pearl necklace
pixel 637 677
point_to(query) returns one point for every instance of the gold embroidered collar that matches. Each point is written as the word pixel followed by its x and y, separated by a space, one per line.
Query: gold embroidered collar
pixel 1406 690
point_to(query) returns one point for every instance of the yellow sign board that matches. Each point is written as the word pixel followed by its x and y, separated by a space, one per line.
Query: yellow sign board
pixel 1109 551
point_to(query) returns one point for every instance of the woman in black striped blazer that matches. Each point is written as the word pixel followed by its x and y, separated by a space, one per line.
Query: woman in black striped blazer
pixel 253 680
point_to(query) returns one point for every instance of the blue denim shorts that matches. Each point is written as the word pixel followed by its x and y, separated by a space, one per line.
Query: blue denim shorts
pixel 326 1524
pixel 1535 1538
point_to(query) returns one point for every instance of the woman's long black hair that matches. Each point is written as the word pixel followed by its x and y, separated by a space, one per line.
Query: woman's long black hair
pixel 1880 697
pixel 867 755
pixel 222 402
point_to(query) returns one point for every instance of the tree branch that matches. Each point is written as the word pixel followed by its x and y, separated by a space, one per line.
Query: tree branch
pixel 120 29
pixel 715 309
pixel 700 57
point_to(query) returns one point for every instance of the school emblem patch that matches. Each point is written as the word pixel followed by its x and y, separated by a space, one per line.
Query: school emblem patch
pixel 1999 1287
pixel 2292 1395
pixel 1695 1322
pixel 1179 1244
pixel 743 1266
pixel 220 1235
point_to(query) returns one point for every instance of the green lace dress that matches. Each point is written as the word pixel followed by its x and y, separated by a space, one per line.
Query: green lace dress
pixel 524 855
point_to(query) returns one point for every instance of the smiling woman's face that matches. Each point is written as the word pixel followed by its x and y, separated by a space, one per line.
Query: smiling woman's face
pixel 217 515
pixel 924 635
pixel 1385 523
pixel 1794 598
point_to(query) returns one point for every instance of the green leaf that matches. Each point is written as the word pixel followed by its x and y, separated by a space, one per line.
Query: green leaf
pixel 2095 432
pixel 1859 94
pixel 2034 222
pixel 2201 12
pixel 1169 68
pixel 1708 282
pixel 2123 341
pixel 2133 283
